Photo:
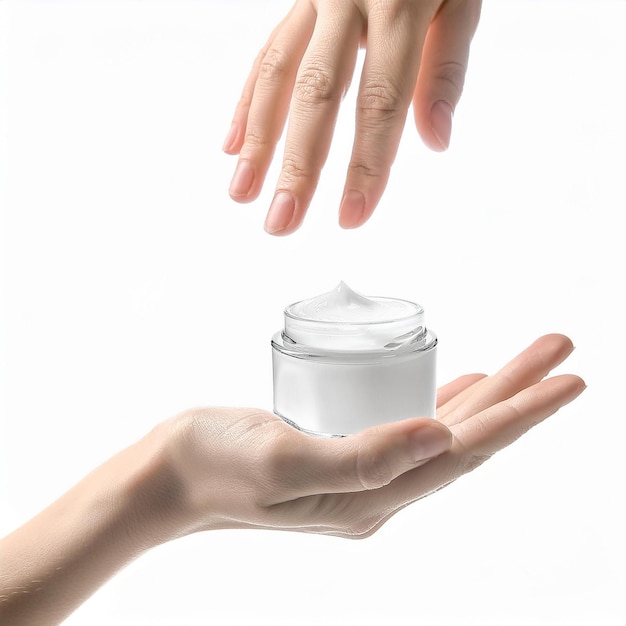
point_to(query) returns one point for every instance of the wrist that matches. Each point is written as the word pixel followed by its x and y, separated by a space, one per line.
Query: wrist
pixel 59 558
pixel 151 495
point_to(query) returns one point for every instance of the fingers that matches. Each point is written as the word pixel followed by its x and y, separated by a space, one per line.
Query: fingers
pixel 236 133
pixel 365 461
pixel 483 434
pixel 529 367
pixel 395 35
pixel 322 79
pixel 476 440
pixel 360 514
pixel 261 113
pixel 303 72
pixel 449 391
pixel 442 73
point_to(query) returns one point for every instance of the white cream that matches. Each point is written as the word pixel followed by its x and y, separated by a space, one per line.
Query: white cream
pixel 344 320
pixel 344 362
pixel 345 305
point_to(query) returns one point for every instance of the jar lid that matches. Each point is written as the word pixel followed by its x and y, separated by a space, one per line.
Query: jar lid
pixel 344 320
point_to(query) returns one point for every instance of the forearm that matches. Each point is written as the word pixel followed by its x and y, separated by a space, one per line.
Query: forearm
pixel 53 563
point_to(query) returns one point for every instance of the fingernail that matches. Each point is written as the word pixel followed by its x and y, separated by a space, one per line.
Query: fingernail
pixel 430 441
pixel 281 212
pixel 352 209
pixel 229 142
pixel 441 122
pixel 242 180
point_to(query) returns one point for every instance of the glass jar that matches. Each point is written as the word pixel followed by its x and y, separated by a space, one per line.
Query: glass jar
pixel 345 362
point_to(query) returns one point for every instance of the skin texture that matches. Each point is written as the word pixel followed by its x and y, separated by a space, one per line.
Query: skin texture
pixel 416 52
pixel 216 468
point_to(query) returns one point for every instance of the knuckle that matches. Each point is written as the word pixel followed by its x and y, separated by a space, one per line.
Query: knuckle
pixel 394 10
pixel 361 527
pixel 358 531
pixel 293 170
pixel 315 85
pixel 255 139
pixel 343 516
pixel 463 461
pixel 380 101
pixel 474 461
pixel 452 74
pixel 373 470
pixel 273 66
pixel 361 169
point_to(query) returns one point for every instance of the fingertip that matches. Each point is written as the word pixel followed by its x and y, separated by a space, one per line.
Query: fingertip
pixel 352 209
pixel 560 343
pixel 440 121
pixel 284 232
pixel 578 385
pixel 280 217
pixel 581 383
pixel 232 143
pixel 563 339
pixel 241 185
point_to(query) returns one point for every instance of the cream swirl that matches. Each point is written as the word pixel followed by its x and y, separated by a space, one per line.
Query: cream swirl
pixel 344 320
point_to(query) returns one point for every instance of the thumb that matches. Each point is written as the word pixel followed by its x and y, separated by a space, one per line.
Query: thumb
pixel 442 71
pixel 372 458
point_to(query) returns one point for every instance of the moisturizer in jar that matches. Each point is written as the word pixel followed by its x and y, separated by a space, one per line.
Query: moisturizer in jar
pixel 345 362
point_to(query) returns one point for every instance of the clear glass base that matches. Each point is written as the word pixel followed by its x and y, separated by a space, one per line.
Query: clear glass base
pixel 305 431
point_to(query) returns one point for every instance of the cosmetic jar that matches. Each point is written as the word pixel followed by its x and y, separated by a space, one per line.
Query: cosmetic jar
pixel 344 362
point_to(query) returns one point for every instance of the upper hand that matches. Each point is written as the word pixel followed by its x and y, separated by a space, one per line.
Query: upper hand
pixel 417 50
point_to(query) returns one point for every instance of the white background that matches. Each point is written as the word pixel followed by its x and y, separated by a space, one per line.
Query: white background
pixel 133 288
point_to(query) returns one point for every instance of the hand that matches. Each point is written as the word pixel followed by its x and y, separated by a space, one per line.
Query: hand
pixel 246 468
pixel 417 50
pixel 241 468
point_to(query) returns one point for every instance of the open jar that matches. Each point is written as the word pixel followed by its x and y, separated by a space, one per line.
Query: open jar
pixel 345 362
